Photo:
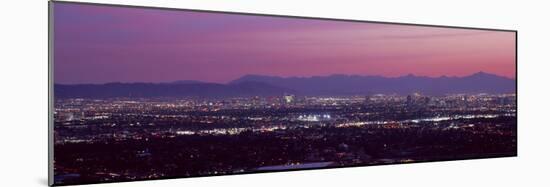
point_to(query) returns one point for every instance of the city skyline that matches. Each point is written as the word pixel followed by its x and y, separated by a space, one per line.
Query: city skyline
pixel 101 44
pixel 274 94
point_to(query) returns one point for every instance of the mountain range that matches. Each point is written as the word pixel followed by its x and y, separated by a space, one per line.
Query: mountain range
pixel 260 85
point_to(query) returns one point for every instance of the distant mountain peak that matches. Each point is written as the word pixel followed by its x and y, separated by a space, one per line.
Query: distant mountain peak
pixel 253 78
pixel 481 73
pixel 328 85
pixel 342 84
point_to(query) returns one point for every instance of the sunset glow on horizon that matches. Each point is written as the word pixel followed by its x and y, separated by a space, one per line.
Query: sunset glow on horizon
pixel 100 44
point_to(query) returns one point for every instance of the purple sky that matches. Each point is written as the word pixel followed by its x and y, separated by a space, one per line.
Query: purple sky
pixel 99 44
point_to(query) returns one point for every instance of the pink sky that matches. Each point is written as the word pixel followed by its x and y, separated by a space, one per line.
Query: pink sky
pixel 99 44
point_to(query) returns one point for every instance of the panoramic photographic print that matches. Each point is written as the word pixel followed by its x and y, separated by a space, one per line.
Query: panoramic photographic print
pixel 148 93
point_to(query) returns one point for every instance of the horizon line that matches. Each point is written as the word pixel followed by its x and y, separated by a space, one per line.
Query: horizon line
pixel 286 77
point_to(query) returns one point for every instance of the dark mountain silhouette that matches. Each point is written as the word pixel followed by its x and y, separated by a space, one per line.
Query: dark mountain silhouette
pixel 258 85
pixel 186 82
pixel 480 82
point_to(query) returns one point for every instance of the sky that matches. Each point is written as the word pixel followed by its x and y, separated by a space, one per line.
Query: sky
pixel 100 44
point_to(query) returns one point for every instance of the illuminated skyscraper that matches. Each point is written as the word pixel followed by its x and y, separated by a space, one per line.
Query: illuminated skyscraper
pixel 289 98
